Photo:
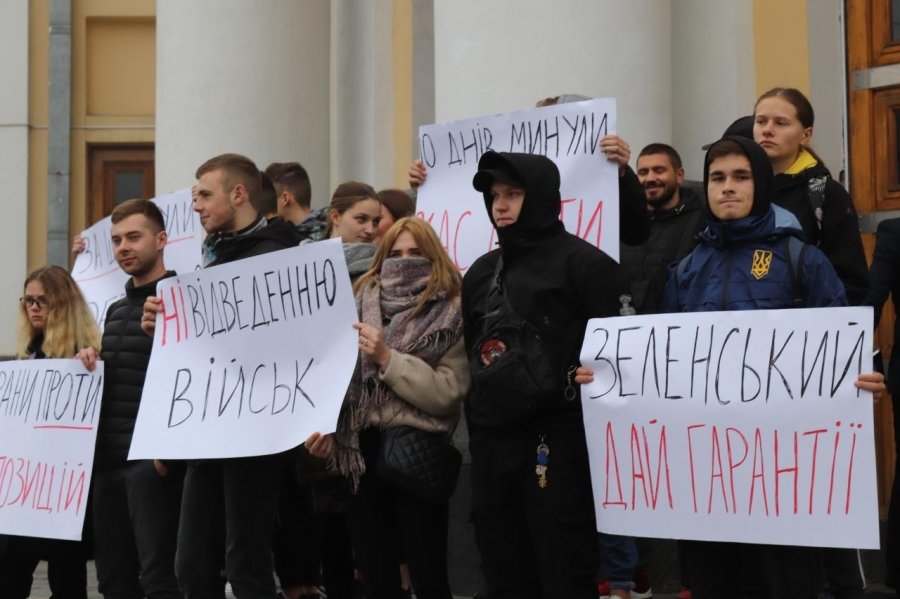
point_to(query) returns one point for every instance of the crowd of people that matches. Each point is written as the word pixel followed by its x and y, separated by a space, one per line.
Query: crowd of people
pixel 498 345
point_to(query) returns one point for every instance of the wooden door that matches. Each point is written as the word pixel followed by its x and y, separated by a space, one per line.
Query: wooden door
pixel 873 60
pixel 117 173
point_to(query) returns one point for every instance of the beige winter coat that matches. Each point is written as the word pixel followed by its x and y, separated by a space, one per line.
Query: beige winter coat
pixel 436 392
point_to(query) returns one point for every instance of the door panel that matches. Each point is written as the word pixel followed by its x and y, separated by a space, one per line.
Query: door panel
pixel 117 173
pixel 873 60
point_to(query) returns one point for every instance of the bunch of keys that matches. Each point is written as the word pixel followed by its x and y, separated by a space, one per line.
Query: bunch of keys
pixel 543 458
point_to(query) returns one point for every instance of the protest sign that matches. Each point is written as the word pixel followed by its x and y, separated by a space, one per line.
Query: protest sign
pixel 48 425
pixel 98 275
pixel 249 358
pixel 733 426
pixel 568 134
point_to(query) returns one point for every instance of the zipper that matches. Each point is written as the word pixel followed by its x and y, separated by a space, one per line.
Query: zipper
pixel 727 281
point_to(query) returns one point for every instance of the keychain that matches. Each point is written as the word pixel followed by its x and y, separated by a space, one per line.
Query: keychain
pixel 543 458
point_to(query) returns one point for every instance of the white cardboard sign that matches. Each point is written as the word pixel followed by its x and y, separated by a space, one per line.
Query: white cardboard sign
pixel 569 134
pixel 733 426
pixel 49 411
pixel 249 358
pixel 98 275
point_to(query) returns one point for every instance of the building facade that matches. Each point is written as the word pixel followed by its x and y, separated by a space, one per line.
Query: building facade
pixel 105 100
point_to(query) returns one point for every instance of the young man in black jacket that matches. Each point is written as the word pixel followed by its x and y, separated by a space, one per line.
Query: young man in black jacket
pixel 136 504
pixel 234 498
pixel 531 487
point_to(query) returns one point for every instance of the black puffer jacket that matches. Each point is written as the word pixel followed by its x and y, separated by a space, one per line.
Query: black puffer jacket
pixel 673 235
pixel 839 239
pixel 553 279
pixel 125 352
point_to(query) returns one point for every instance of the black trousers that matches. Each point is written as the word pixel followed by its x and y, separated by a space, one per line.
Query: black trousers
pixel 231 505
pixel 66 562
pixel 747 571
pixel 67 576
pixel 312 546
pixel 384 522
pixel 297 562
pixel 136 527
pixel 534 542
pixel 843 571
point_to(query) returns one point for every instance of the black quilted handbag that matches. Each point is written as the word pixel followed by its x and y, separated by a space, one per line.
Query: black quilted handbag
pixel 425 464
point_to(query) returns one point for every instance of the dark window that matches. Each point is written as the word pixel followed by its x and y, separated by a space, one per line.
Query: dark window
pixel 895 21
pixel 129 185
pixel 117 172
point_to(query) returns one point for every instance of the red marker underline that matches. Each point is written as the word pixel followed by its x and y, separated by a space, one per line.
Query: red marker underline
pixel 65 427
pixel 114 269
pixel 97 276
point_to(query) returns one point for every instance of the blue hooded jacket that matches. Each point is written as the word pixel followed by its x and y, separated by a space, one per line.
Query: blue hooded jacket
pixel 744 264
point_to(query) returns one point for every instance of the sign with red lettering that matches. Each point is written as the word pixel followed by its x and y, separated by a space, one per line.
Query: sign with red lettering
pixel 568 134
pixel 98 275
pixel 250 357
pixel 733 426
pixel 49 411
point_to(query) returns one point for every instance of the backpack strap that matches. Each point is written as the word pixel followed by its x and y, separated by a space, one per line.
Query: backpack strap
pixel 496 296
pixel 815 192
pixel 681 268
pixel 795 250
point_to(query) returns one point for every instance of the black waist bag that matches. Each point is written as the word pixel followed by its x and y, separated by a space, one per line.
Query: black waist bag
pixel 514 374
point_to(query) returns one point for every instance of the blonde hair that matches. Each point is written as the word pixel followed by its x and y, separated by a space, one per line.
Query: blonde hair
pixel 445 278
pixel 69 325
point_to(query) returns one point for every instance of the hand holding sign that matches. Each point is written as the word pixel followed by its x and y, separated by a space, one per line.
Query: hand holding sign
pixel 873 382
pixel 319 445
pixel 89 357
pixel 152 307
pixel 417 174
pixel 616 149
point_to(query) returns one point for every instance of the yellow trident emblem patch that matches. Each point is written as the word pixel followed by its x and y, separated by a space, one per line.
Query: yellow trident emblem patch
pixel 762 261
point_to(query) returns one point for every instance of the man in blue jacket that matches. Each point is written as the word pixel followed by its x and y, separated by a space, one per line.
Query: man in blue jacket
pixel 750 258
pixel 743 261
pixel 747 259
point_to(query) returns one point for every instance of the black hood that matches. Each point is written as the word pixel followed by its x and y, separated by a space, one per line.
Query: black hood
pixel 762 175
pixel 539 218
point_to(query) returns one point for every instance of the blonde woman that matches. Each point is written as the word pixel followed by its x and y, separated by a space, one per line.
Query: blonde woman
pixel 54 318
pixel 54 322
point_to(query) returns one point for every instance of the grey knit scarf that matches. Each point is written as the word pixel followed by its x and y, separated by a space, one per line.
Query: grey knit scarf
pixel 427 335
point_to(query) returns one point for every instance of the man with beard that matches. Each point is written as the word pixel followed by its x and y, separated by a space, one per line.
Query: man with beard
pixel 676 216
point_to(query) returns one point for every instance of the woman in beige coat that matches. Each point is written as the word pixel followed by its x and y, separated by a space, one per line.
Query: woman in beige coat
pixel 413 371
